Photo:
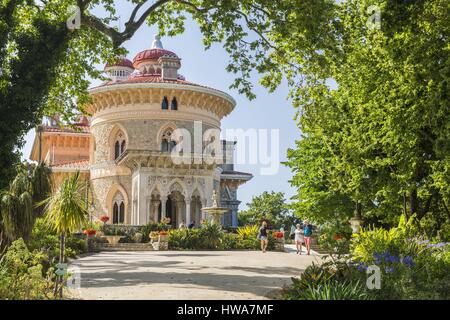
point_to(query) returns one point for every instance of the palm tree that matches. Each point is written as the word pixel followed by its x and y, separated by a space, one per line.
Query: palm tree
pixel 66 213
pixel 18 209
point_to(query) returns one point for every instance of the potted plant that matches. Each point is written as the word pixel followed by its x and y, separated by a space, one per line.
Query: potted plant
pixel 163 241
pixel 89 232
pixel 279 236
pixel 154 235
pixel 104 219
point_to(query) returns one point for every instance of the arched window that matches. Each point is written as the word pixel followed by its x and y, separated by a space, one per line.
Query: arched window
pixel 120 144
pixel 118 209
pixel 122 212
pixel 116 150
pixel 115 213
pixel 165 103
pixel 174 104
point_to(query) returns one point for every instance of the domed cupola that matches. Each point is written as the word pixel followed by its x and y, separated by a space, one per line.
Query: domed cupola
pixel 158 61
pixel 120 70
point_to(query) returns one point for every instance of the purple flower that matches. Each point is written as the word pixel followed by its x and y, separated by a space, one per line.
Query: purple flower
pixel 394 259
pixel 389 269
pixel 437 245
pixel 408 260
pixel 361 266
pixel 377 257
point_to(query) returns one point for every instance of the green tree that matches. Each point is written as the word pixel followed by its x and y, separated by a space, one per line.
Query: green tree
pixel 270 206
pixel 45 67
pixel 376 141
pixel 66 213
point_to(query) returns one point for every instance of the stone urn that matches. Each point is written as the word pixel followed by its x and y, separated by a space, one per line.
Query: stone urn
pixel 163 242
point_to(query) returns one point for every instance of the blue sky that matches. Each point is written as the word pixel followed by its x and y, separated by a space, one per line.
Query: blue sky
pixel 267 111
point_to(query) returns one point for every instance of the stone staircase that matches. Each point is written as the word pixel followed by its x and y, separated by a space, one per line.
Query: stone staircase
pixel 126 247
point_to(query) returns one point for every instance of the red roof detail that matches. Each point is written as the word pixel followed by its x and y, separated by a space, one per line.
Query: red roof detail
pixel 121 62
pixel 76 165
pixel 152 54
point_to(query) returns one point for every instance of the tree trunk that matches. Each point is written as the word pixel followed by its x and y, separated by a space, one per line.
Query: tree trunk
pixel 405 210
pixel 59 278
pixel 61 260
pixel 413 203
pixel 358 210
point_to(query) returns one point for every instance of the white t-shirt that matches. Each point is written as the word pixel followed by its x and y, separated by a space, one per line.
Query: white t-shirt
pixel 298 235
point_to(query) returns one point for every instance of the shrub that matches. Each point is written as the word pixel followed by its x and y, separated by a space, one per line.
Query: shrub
pixel 46 240
pixel 23 274
pixel 335 290
pixel 411 268
pixel 248 232
pixel 328 281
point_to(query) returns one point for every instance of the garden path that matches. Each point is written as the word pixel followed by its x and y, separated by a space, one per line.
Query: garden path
pixel 187 274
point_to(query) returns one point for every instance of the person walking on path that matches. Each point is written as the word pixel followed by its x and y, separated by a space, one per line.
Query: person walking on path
pixel 299 238
pixel 262 236
pixel 307 232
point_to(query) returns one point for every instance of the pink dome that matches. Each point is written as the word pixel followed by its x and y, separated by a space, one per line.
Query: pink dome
pixel 152 54
pixel 121 62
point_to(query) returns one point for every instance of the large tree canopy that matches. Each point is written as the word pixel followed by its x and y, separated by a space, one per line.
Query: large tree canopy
pixel 45 67
pixel 378 140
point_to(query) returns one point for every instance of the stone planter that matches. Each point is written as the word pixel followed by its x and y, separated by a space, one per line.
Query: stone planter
pixel 163 242
pixel 113 239
pixel 279 244
pixel 90 243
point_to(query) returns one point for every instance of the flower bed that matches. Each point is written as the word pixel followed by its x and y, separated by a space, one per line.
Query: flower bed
pixel 410 268
pixel 212 237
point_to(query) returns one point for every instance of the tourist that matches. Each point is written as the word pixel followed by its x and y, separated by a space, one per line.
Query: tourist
pixel 292 232
pixel 299 235
pixel 307 232
pixel 191 225
pixel 182 225
pixel 262 236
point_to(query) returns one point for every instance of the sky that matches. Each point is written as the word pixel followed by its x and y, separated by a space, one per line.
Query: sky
pixel 268 111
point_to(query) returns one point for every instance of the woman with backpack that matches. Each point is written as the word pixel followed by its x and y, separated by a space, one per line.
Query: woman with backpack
pixel 307 234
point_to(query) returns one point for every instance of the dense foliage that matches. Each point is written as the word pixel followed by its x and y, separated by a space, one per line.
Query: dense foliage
pixel 211 237
pixel 374 113
pixel 25 274
pixel 410 268
pixel 20 203
pixel 45 66
pixel 270 206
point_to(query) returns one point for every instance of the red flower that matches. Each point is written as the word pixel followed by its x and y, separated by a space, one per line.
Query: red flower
pixel 163 233
pixel 278 235
pixel 89 232
pixel 337 237
pixel 104 219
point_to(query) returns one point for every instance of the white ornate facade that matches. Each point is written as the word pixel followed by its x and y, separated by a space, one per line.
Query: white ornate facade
pixel 129 149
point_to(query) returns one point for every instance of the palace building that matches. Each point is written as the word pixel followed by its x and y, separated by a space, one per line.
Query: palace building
pixel 129 151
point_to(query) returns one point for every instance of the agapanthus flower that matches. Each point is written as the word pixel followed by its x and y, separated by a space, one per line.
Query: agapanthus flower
pixel 389 269
pixel 408 260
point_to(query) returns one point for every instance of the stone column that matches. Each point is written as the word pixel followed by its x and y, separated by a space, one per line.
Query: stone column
pixel 163 206
pixel 180 212
pixel 188 211
pixel 155 210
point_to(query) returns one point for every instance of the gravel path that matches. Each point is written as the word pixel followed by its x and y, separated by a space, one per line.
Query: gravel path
pixel 186 274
